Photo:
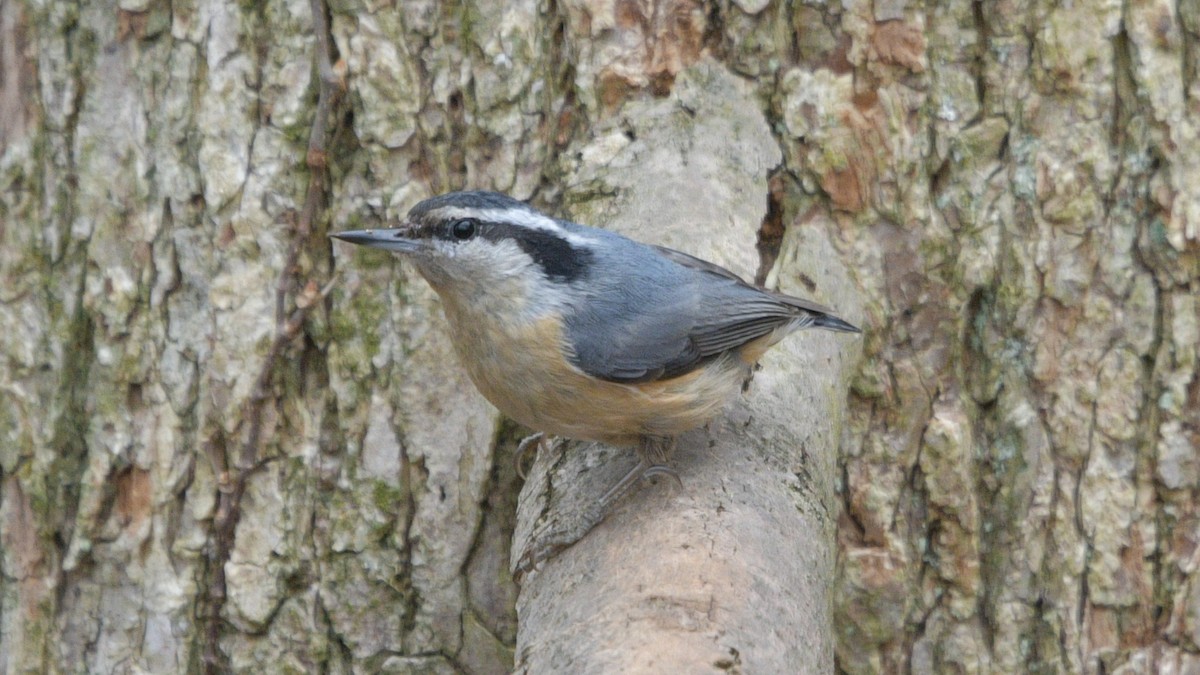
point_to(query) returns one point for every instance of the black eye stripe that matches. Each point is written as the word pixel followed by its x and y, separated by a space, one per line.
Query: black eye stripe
pixel 557 257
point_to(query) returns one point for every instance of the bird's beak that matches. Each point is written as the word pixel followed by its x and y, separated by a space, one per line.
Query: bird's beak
pixel 398 239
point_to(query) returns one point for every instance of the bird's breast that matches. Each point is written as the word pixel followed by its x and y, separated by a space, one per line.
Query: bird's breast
pixel 522 367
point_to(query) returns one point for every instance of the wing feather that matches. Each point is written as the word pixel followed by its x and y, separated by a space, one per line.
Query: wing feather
pixel 677 313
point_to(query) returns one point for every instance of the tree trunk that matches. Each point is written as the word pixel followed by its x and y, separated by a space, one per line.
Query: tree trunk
pixel 225 445
pixel 1021 472
pixel 731 570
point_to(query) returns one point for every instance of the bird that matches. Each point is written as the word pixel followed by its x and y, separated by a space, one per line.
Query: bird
pixel 585 334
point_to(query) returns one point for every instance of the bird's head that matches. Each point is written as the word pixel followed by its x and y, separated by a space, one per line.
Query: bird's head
pixel 471 241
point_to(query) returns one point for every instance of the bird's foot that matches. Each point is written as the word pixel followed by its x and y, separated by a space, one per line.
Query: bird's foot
pixel 570 514
pixel 642 470
pixel 655 470
pixel 534 442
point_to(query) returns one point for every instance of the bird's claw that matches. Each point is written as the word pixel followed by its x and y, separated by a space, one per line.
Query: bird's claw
pixel 656 470
pixel 642 470
pixel 533 440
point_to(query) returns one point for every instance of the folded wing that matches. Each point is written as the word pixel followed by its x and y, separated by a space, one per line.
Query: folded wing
pixel 674 315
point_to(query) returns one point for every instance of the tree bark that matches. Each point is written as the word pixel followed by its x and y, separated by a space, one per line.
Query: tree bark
pixel 225 444
pixel 1020 476
pixel 731 570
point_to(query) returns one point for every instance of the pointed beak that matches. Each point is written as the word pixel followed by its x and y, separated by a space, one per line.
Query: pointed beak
pixel 398 239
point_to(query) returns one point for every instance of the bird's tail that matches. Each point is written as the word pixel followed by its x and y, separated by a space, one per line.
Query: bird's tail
pixel 831 322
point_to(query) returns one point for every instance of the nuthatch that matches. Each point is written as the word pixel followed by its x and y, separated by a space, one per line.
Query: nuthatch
pixel 585 334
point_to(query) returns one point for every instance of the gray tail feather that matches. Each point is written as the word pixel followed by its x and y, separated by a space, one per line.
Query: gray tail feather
pixel 831 322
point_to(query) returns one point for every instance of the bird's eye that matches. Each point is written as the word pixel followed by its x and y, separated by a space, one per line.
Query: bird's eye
pixel 463 229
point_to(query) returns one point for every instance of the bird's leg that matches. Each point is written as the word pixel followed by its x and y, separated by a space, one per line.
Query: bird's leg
pixel 622 485
pixel 566 521
pixel 656 451
pixel 653 452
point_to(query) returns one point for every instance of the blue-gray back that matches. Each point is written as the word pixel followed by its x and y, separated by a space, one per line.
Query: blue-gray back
pixel 649 313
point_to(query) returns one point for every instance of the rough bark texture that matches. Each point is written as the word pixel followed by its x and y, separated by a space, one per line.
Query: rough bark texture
pixel 208 463
pixel 731 570
pixel 1021 465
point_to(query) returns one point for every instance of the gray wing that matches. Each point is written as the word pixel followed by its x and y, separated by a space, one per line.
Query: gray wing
pixel 703 265
pixel 689 260
pixel 672 313
pixel 810 313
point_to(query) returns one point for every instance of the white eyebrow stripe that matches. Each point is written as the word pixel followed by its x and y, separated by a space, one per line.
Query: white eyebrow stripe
pixel 529 219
